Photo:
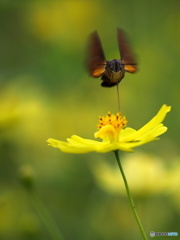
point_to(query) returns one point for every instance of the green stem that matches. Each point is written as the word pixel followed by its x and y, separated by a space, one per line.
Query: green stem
pixel 45 216
pixel 129 196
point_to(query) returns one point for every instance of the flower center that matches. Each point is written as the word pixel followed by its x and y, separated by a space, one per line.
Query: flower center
pixel 117 121
pixel 110 126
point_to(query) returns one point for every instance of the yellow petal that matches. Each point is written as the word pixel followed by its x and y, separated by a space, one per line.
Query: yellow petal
pixel 153 133
pixel 80 140
pixel 150 125
pixel 126 134
pixel 108 133
pixel 69 147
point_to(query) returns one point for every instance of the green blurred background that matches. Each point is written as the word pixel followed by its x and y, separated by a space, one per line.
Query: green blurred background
pixel 46 92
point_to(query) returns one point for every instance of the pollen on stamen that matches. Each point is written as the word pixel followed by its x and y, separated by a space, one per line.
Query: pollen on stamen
pixel 117 121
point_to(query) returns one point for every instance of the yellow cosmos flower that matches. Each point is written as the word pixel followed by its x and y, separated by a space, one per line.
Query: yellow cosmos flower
pixel 115 135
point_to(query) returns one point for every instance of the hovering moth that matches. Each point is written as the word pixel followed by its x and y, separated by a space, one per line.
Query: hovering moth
pixel 112 71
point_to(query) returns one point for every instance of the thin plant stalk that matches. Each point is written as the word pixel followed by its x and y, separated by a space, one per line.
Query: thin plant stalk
pixel 45 216
pixel 129 196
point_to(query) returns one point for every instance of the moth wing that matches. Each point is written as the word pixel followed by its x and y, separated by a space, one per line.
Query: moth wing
pixel 96 60
pixel 127 55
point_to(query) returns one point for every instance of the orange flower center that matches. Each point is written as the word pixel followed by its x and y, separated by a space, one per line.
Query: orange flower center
pixel 117 121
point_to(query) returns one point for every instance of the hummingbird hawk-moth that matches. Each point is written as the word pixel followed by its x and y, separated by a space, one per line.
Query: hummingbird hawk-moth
pixel 112 71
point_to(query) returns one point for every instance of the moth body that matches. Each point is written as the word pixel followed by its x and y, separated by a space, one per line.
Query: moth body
pixel 114 72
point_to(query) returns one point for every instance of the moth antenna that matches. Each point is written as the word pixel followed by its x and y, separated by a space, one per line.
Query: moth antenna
pixel 129 64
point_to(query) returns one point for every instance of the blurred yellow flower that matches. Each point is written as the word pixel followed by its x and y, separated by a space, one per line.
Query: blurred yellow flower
pixel 114 136
pixel 146 173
